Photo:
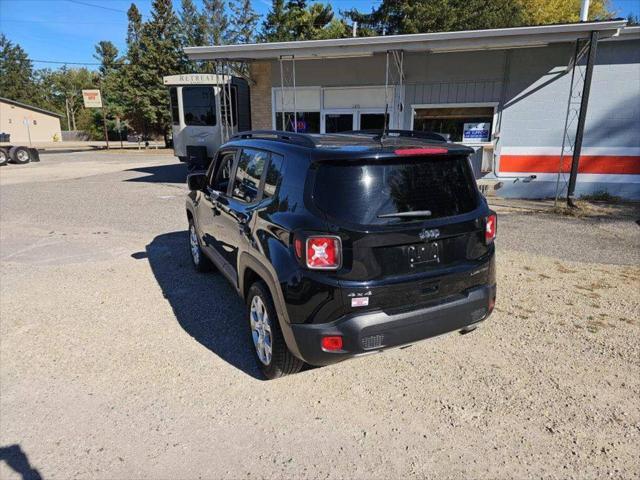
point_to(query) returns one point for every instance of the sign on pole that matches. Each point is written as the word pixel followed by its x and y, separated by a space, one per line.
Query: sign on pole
pixel 92 98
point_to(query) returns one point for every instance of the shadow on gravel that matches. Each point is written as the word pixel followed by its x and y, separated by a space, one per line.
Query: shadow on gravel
pixel 205 305
pixel 172 173
pixel 17 460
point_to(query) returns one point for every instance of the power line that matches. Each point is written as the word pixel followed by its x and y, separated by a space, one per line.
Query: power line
pixel 63 22
pixel 97 6
pixel 66 63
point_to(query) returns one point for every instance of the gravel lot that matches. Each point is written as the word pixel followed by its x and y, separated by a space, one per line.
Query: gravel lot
pixel 118 361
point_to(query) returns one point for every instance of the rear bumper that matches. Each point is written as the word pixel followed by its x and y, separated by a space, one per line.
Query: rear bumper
pixel 374 331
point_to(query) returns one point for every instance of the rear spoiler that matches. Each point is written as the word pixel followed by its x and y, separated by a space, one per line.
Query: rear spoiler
pixel 400 133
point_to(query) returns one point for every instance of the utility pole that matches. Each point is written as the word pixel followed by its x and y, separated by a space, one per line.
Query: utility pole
pixel 66 102
pixel 104 124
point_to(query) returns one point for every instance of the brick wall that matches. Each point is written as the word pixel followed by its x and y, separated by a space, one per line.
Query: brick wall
pixel 261 117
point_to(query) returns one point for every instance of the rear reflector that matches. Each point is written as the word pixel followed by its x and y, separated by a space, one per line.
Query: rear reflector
pixel 331 344
pixel 421 151
pixel 323 253
pixel 297 244
pixel 491 224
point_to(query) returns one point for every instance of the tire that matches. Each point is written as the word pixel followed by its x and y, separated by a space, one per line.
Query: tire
pixel 4 156
pixel 264 328
pixel 200 261
pixel 19 155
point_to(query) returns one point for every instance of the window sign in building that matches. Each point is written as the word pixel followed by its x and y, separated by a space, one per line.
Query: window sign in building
pixel 476 132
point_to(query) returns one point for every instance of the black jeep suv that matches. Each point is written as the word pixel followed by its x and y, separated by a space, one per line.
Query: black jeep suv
pixel 344 245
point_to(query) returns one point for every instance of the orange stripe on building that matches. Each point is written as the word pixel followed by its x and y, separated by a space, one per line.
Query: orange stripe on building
pixel 611 164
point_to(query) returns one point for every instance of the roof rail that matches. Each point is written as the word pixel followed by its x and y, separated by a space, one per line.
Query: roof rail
pixel 277 135
pixel 401 133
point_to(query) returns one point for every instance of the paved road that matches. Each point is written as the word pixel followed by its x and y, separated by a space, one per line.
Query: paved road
pixel 118 361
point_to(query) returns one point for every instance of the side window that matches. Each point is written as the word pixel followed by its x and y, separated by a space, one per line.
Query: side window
pixel 199 106
pixel 274 176
pixel 175 114
pixel 222 173
pixel 251 165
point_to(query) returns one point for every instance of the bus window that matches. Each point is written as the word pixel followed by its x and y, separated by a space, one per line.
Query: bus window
pixel 175 114
pixel 199 106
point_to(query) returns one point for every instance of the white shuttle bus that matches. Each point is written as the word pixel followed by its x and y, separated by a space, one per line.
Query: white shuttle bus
pixel 201 116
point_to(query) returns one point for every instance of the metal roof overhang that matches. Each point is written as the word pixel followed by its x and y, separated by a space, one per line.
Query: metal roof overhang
pixel 440 42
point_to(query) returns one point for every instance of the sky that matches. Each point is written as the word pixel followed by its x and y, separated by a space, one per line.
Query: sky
pixel 67 31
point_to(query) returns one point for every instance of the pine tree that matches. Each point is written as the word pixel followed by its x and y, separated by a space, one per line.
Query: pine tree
pixel 161 55
pixel 110 81
pixel 244 21
pixel 17 80
pixel 134 31
pixel 216 22
pixel 107 55
pixel 134 104
pixel 274 27
pixel 192 24
pixel 297 21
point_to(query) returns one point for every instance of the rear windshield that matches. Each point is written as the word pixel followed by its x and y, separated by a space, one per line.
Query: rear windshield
pixel 360 192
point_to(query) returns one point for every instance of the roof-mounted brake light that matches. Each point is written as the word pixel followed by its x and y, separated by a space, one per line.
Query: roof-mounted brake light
pixel 421 151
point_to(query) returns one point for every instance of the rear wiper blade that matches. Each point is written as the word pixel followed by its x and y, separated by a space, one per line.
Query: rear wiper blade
pixel 415 213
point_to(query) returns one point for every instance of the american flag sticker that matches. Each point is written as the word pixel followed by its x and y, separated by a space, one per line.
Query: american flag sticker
pixel 360 301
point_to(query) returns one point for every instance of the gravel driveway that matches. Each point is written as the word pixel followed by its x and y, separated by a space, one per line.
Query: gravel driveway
pixel 118 361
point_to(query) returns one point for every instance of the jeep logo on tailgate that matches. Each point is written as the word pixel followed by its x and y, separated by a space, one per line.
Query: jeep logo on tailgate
pixel 429 234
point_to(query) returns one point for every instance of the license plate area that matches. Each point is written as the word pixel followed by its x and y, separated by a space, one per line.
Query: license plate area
pixel 423 254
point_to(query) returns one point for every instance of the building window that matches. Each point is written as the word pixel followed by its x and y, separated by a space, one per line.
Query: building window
pixel 458 124
pixel 35 122
pixel 307 122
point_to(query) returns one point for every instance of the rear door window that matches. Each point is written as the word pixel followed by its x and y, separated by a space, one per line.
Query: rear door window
pixel 199 106
pixel 362 192
pixel 251 166
pixel 274 176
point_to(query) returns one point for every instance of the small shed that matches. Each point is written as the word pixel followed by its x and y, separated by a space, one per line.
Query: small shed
pixel 27 124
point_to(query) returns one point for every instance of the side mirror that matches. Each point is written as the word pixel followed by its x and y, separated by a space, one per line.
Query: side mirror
pixel 197 181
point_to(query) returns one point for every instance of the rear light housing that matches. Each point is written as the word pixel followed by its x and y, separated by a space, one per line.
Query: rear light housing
pixel 323 253
pixel 490 228
pixel 332 343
